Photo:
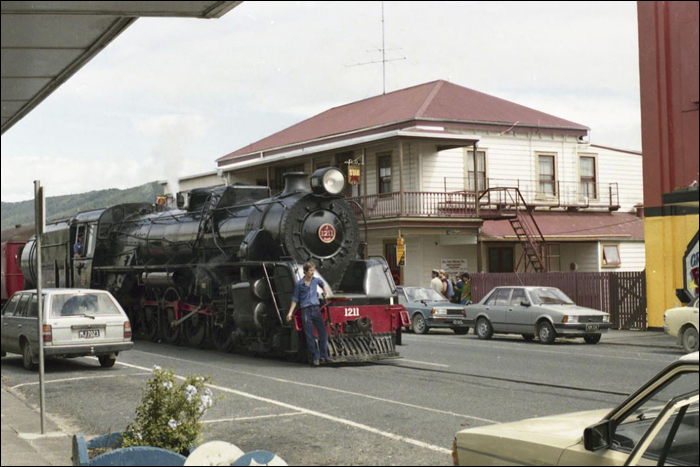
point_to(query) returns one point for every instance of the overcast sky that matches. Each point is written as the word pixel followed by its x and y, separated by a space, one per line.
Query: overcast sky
pixel 170 96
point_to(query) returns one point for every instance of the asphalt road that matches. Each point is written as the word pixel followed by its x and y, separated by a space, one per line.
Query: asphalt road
pixel 402 412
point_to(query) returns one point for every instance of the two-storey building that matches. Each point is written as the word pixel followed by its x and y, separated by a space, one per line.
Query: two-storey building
pixel 470 181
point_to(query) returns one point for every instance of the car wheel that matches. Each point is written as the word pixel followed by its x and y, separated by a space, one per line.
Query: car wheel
pixel 546 333
pixel 593 340
pixel 461 331
pixel 484 330
pixel 27 360
pixel 690 340
pixel 529 337
pixel 419 326
pixel 107 361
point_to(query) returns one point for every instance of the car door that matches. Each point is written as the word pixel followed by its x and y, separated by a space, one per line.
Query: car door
pixel 7 312
pixel 519 317
pixel 497 308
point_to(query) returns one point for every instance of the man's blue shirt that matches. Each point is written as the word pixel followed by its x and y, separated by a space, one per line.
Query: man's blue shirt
pixel 307 296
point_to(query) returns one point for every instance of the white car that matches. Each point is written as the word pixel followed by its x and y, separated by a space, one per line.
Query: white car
pixel 657 425
pixel 77 323
pixel 682 323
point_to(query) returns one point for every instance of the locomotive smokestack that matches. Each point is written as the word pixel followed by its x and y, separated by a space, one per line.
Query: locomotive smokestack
pixel 295 182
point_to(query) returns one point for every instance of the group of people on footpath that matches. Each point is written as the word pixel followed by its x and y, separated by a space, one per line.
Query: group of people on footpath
pixel 459 292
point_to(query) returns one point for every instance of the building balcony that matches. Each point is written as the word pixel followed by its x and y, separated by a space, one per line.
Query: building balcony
pixel 417 205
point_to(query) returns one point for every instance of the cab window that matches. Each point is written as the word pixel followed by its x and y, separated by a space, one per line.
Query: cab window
pixel 499 298
pixel 33 308
pixel 518 297
pixel 9 309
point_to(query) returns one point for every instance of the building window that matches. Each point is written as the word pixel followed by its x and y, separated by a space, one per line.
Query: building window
pixel 547 176
pixel 476 171
pixel 589 187
pixel 554 257
pixel 384 169
pixel 611 256
pixel 501 259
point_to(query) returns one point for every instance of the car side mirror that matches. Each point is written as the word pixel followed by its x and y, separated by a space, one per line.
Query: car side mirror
pixel 525 303
pixel 598 436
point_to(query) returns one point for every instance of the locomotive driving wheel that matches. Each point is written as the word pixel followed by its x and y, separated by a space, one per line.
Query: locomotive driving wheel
pixel 222 336
pixel 150 324
pixel 195 330
pixel 171 334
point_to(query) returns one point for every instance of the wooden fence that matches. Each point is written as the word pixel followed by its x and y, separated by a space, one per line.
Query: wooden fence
pixel 622 294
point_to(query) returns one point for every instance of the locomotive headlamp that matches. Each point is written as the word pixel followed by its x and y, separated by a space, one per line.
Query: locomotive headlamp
pixel 328 181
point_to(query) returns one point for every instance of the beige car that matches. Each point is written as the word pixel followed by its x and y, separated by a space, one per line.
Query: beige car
pixel 657 425
pixel 682 323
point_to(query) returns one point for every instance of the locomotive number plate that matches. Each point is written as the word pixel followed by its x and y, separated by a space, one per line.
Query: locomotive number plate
pixel 88 334
pixel 352 312
pixel 326 233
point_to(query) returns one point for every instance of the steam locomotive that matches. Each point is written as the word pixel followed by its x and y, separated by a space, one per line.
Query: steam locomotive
pixel 221 268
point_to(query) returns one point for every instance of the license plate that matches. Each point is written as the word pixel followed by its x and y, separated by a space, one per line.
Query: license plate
pixel 592 327
pixel 88 334
pixel 458 322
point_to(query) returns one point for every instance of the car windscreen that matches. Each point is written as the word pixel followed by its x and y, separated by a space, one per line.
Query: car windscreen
pixel 549 296
pixel 417 294
pixel 87 304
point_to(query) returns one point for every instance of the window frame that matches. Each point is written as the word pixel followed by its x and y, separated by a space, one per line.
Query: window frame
pixel 383 156
pixel 476 172
pixel 554 181
pixel 596 188
pixel 604 261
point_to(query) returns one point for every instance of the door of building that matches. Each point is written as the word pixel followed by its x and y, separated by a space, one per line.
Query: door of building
pixel 501 259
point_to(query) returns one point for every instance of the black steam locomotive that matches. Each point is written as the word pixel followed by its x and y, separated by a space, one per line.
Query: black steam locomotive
pixel 221 268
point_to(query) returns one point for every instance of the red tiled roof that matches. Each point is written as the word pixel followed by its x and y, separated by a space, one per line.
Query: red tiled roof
pixel 438 100
pixel 624 226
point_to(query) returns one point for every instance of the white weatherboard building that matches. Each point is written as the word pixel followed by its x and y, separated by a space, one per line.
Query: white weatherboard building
pixel 472 182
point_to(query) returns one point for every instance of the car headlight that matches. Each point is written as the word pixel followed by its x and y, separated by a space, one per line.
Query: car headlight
pixel 329 180
pixel 570 319
pixel 606 318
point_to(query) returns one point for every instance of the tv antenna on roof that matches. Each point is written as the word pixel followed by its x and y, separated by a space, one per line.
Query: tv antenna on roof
pixel 383 50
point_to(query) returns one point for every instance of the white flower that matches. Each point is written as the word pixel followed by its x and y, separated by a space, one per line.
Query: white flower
pixel 173 425
pixel 156 369
pixel 208 393
pixel 189 397
pixel 168 385
pixel 191 390
pixel 139 436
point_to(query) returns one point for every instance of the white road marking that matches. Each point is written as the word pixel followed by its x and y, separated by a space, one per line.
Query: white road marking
pixel 84 378
pixel 245 419
pixel 324 388
pixel 315 414
pixel 558 352
pixel 425 363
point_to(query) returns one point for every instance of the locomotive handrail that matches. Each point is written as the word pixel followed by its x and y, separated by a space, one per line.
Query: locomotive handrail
pixel 272 292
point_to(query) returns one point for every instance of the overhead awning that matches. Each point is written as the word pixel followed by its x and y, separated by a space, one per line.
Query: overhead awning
pixel 45 43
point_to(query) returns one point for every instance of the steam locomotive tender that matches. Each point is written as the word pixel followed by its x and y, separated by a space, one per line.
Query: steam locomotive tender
pixel 222 267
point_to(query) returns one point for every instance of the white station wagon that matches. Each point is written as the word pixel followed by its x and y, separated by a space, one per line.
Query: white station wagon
pixel 77 323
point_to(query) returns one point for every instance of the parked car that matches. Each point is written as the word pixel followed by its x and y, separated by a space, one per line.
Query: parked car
pixel 682 323
pixel 545 312
pixel 428 309
pixel 77 323
pixel 657 425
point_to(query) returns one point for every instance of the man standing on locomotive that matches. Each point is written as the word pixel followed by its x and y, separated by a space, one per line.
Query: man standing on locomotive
pixel 306 296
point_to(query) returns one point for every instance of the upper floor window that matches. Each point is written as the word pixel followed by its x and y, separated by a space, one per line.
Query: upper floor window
pixel 547 176
pixel 384 169
pixel 589 188
pixel 476 171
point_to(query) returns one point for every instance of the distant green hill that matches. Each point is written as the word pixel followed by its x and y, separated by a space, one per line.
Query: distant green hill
pixel 60 207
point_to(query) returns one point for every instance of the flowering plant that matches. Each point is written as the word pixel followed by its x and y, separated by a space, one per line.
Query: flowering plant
pixel 169 416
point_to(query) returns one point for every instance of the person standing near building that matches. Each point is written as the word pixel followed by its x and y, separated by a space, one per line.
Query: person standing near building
pixel 306 296
pixel 464 290
pixel 436 282
pixel 448 289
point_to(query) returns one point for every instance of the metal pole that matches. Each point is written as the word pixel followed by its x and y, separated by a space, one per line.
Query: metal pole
pixel 39 209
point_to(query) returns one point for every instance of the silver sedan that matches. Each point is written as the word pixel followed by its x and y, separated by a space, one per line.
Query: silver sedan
pixel 543 312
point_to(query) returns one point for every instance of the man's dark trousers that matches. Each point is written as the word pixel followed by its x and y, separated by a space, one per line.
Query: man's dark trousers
pixel 311 316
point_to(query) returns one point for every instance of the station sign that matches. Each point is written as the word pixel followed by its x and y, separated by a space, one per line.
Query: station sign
pixel 690 269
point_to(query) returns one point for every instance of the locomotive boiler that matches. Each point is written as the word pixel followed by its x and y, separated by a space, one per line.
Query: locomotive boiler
pixel 221 268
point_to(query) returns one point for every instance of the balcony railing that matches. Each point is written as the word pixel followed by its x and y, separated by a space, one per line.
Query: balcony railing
pixel 418 204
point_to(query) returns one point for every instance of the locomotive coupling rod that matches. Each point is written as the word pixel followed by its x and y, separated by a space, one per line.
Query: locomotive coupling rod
pixel 182 320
